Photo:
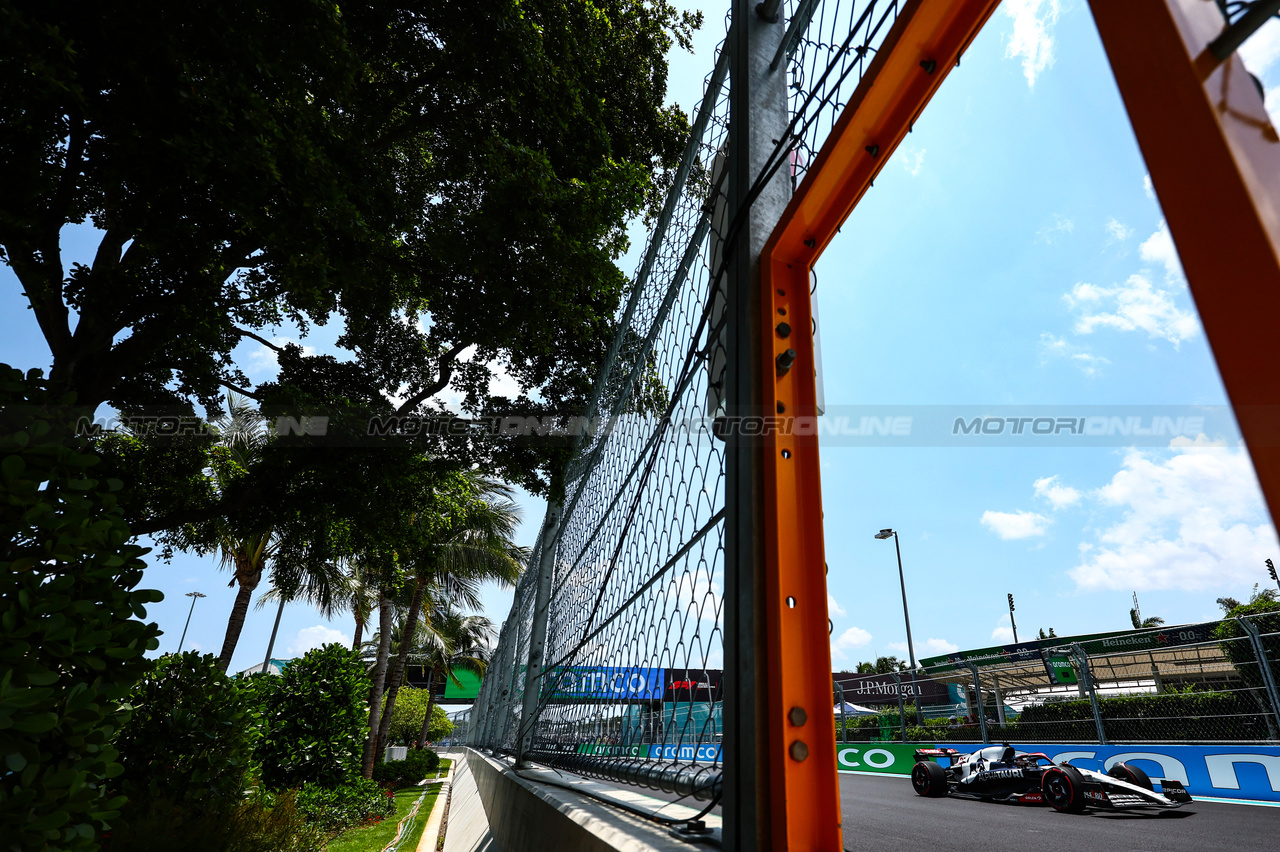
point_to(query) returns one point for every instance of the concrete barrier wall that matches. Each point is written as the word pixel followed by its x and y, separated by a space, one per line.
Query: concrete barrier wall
pixel 524 815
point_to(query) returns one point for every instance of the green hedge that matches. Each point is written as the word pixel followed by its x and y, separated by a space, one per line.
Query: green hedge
pixel 314 718
pixel 72 629
pixel 334 810
pixel 191 735
pixel 411 770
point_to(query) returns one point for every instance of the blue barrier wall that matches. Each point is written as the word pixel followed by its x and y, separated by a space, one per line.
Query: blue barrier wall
pixel 1226 771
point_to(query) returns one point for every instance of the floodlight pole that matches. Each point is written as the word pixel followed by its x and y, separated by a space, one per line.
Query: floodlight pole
pixel 195 596
pixel 906 616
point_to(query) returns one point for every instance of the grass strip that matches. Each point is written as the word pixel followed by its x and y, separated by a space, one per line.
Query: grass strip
pixel 372 838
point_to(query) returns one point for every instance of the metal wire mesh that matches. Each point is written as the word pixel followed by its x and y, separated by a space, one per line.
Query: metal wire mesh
pixel 1221 689
pixel 634 635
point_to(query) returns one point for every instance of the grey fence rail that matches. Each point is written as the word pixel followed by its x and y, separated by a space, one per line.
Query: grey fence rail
pixel 1206 683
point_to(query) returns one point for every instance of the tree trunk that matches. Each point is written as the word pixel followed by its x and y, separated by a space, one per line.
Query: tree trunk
pixel 379 677
pixel 355 643
pixel 248 582
pixel 431 708
pixel 396 675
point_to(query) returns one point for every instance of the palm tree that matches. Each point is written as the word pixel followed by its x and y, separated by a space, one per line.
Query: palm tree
pixel 1139 622
pixel 455 641
pixel 469 545
pixel 246 549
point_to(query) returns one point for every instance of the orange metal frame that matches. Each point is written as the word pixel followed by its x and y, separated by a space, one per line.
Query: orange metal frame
pixel 923 45
pixel 1214 159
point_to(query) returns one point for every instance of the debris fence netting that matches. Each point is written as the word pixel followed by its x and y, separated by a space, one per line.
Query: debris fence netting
pixel 1204 683
pixel 634 644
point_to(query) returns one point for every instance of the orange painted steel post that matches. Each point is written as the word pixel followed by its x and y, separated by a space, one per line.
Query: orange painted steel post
pixel 1214 159
pixel 920 49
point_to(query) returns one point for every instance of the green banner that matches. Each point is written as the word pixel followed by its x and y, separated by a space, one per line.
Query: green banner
pixel 886 758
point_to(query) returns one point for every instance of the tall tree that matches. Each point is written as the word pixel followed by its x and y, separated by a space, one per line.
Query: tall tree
pixel 456 641
pixel 449 181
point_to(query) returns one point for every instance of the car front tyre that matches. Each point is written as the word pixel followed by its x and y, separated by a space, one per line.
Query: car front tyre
pixel 929 779
pixel 1132 774
pixel 1063 789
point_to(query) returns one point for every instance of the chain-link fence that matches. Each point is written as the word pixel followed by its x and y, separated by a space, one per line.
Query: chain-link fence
pixel 1204 683
pixel 610 660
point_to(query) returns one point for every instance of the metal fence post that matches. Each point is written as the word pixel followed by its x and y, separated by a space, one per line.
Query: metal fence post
pixel 1087 679
pixel 758 115
pixel 538 637
pixel 843 717
pixel 982 714
pixel 902 710
pixel 1264 665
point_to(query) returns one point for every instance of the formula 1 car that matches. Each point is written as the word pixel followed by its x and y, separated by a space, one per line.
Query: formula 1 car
pixel 1000 774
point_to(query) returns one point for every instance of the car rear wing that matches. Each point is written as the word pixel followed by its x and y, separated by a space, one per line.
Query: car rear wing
pixel 923 754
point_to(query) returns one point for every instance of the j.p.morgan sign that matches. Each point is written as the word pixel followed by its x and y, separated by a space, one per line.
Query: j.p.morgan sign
pixel 881 689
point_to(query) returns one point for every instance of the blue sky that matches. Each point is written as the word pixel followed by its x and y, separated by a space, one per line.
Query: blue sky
pixel 1012 252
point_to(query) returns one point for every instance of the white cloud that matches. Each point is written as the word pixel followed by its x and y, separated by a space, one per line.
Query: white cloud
pixel 315 637
pixel 912 161
pixel 1117 230
pixel 1012 525
pixel 1057 347
pixel 1262 49
pixel 834 607
pixel 927 648
pixel 1192 520
pixel 1147 187
pixel 1136 305
pixel 1049 233
pixel 854 637
pixel 1003 632
pixel 1032 37
pixel 1158 248
pixel 1058 495
pixel 264 359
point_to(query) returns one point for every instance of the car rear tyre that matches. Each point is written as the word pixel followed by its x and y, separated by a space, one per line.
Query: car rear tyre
pixel 1132 774
pixel 1063 789
pixel 929 779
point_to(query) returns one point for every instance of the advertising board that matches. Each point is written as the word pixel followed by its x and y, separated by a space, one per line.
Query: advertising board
pixel 609 683
pixel 880 758
pixel 883 688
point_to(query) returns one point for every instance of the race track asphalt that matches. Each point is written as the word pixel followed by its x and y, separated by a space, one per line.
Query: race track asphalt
pixel 883 814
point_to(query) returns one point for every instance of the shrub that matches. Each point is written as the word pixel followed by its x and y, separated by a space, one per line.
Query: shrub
pixel 411 770
pixel 72 635
pixel 190 738
pixel 407 716
pixel 333 810
pixel 314 719
pixel 262 823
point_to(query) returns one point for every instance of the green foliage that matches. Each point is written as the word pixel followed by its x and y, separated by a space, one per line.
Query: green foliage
pixel 314 719
pixel 303 159
pixel 72 637
pixel 332 810
pixel 191 736
pixel 1264 612
pixel 260 823
pixel 411 770
pixel 407 717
